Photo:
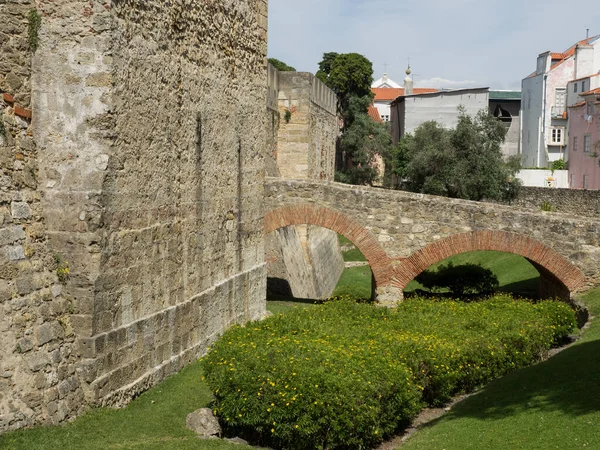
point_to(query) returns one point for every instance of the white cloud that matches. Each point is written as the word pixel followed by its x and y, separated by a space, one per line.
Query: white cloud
pixel 460 42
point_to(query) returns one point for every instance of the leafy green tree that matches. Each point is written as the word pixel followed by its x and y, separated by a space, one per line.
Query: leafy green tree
pixel 350 76
pixel 280 65
pixel 325 66
pixel 361 143
pixel 465 162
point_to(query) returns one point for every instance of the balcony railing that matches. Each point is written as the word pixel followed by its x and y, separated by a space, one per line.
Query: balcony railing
pixel 558 112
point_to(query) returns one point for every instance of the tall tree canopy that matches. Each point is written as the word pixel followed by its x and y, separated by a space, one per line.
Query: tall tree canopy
pixel 350 76
pixel 280 65
pixel 361 143
pixel 465 162
pixel 325 66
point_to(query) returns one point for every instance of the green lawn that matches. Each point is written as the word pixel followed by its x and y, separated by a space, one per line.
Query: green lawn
pixel 156 420
pixel 553 405
pixel 355 283
pixel 515 273
pixel 354 254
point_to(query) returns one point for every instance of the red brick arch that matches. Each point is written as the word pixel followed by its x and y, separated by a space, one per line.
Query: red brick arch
pixel 311 214
pixel 536 252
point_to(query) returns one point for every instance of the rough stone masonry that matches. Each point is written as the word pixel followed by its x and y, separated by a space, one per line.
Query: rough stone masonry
pixel 131 217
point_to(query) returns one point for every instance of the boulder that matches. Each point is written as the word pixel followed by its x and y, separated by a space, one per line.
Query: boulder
pixel 204 424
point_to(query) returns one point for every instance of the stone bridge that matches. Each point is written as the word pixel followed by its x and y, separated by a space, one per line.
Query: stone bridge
pixel 401 234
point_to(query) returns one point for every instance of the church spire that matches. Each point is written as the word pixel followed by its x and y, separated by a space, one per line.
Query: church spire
pixel 408 82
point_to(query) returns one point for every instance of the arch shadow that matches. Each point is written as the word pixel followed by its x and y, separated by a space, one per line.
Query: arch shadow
pixel 559 276
pixel 311 214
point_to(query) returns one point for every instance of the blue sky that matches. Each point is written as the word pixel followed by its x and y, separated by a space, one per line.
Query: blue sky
pixel 450 43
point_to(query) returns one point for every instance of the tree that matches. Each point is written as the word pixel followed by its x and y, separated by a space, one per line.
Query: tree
pixel 465 162
pixel 350 76
pixel 361 143
pixel 280 65
pixel 325 66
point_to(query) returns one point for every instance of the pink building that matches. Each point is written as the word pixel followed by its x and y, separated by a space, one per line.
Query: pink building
pixel 584 145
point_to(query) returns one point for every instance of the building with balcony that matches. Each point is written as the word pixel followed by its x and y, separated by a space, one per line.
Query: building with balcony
pixel 545 100
pixel 584 139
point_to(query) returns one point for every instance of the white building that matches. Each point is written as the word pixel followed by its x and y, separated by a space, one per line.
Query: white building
pixel 385 83
pixel 545 100
pixel 387 90
pixel 410 111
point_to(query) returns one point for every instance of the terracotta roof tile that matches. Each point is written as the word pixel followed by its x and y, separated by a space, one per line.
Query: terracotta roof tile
pixel 389 94
pixel 592 92
pixel 374 113
pixel 561 57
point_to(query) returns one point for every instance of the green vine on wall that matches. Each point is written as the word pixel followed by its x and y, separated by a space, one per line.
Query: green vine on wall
pixel 35 22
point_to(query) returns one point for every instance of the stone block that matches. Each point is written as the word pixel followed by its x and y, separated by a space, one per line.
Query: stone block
pixel 24 345
pixel 20 210
pixel 16 253
pixel 47 332
pixel 11 234
pixel 38 361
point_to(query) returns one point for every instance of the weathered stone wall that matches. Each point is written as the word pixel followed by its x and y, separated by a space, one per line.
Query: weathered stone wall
pixel 578 202
pixel 38 383
pixel 307 257
pixel 306 261
pixel 150 127
pixel 402 233
pixel 306 144
pixel 273 121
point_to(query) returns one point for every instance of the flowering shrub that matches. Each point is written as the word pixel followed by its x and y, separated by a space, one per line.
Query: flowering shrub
pixel 346 375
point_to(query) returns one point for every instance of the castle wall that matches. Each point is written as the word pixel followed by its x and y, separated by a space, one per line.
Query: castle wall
pixel 148 132
pixel 38 381
pixel 307 258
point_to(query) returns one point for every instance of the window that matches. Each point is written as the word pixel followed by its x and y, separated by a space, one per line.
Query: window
pixel 574 87
pixel 575 142
pixel 590 109
pixel 587 143
pixel 557 136
pixel 586 181
pixel 560 99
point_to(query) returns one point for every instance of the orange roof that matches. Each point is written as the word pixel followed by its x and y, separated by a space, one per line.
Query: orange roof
pixel 592 92
pixel 389 94
pixel 577 105
pixel 374 113
pixel 561 57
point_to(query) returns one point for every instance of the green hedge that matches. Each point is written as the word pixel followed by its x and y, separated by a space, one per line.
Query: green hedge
pixel 345 375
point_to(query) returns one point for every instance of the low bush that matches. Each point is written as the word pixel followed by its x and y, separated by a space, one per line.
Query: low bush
pixel 346 375
pixel 464 279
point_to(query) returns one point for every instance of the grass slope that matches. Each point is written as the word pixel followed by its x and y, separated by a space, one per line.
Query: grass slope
pixel 552 405
pixel 355 283
pixel 154 421
pixel 353 254
pixel 515 273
